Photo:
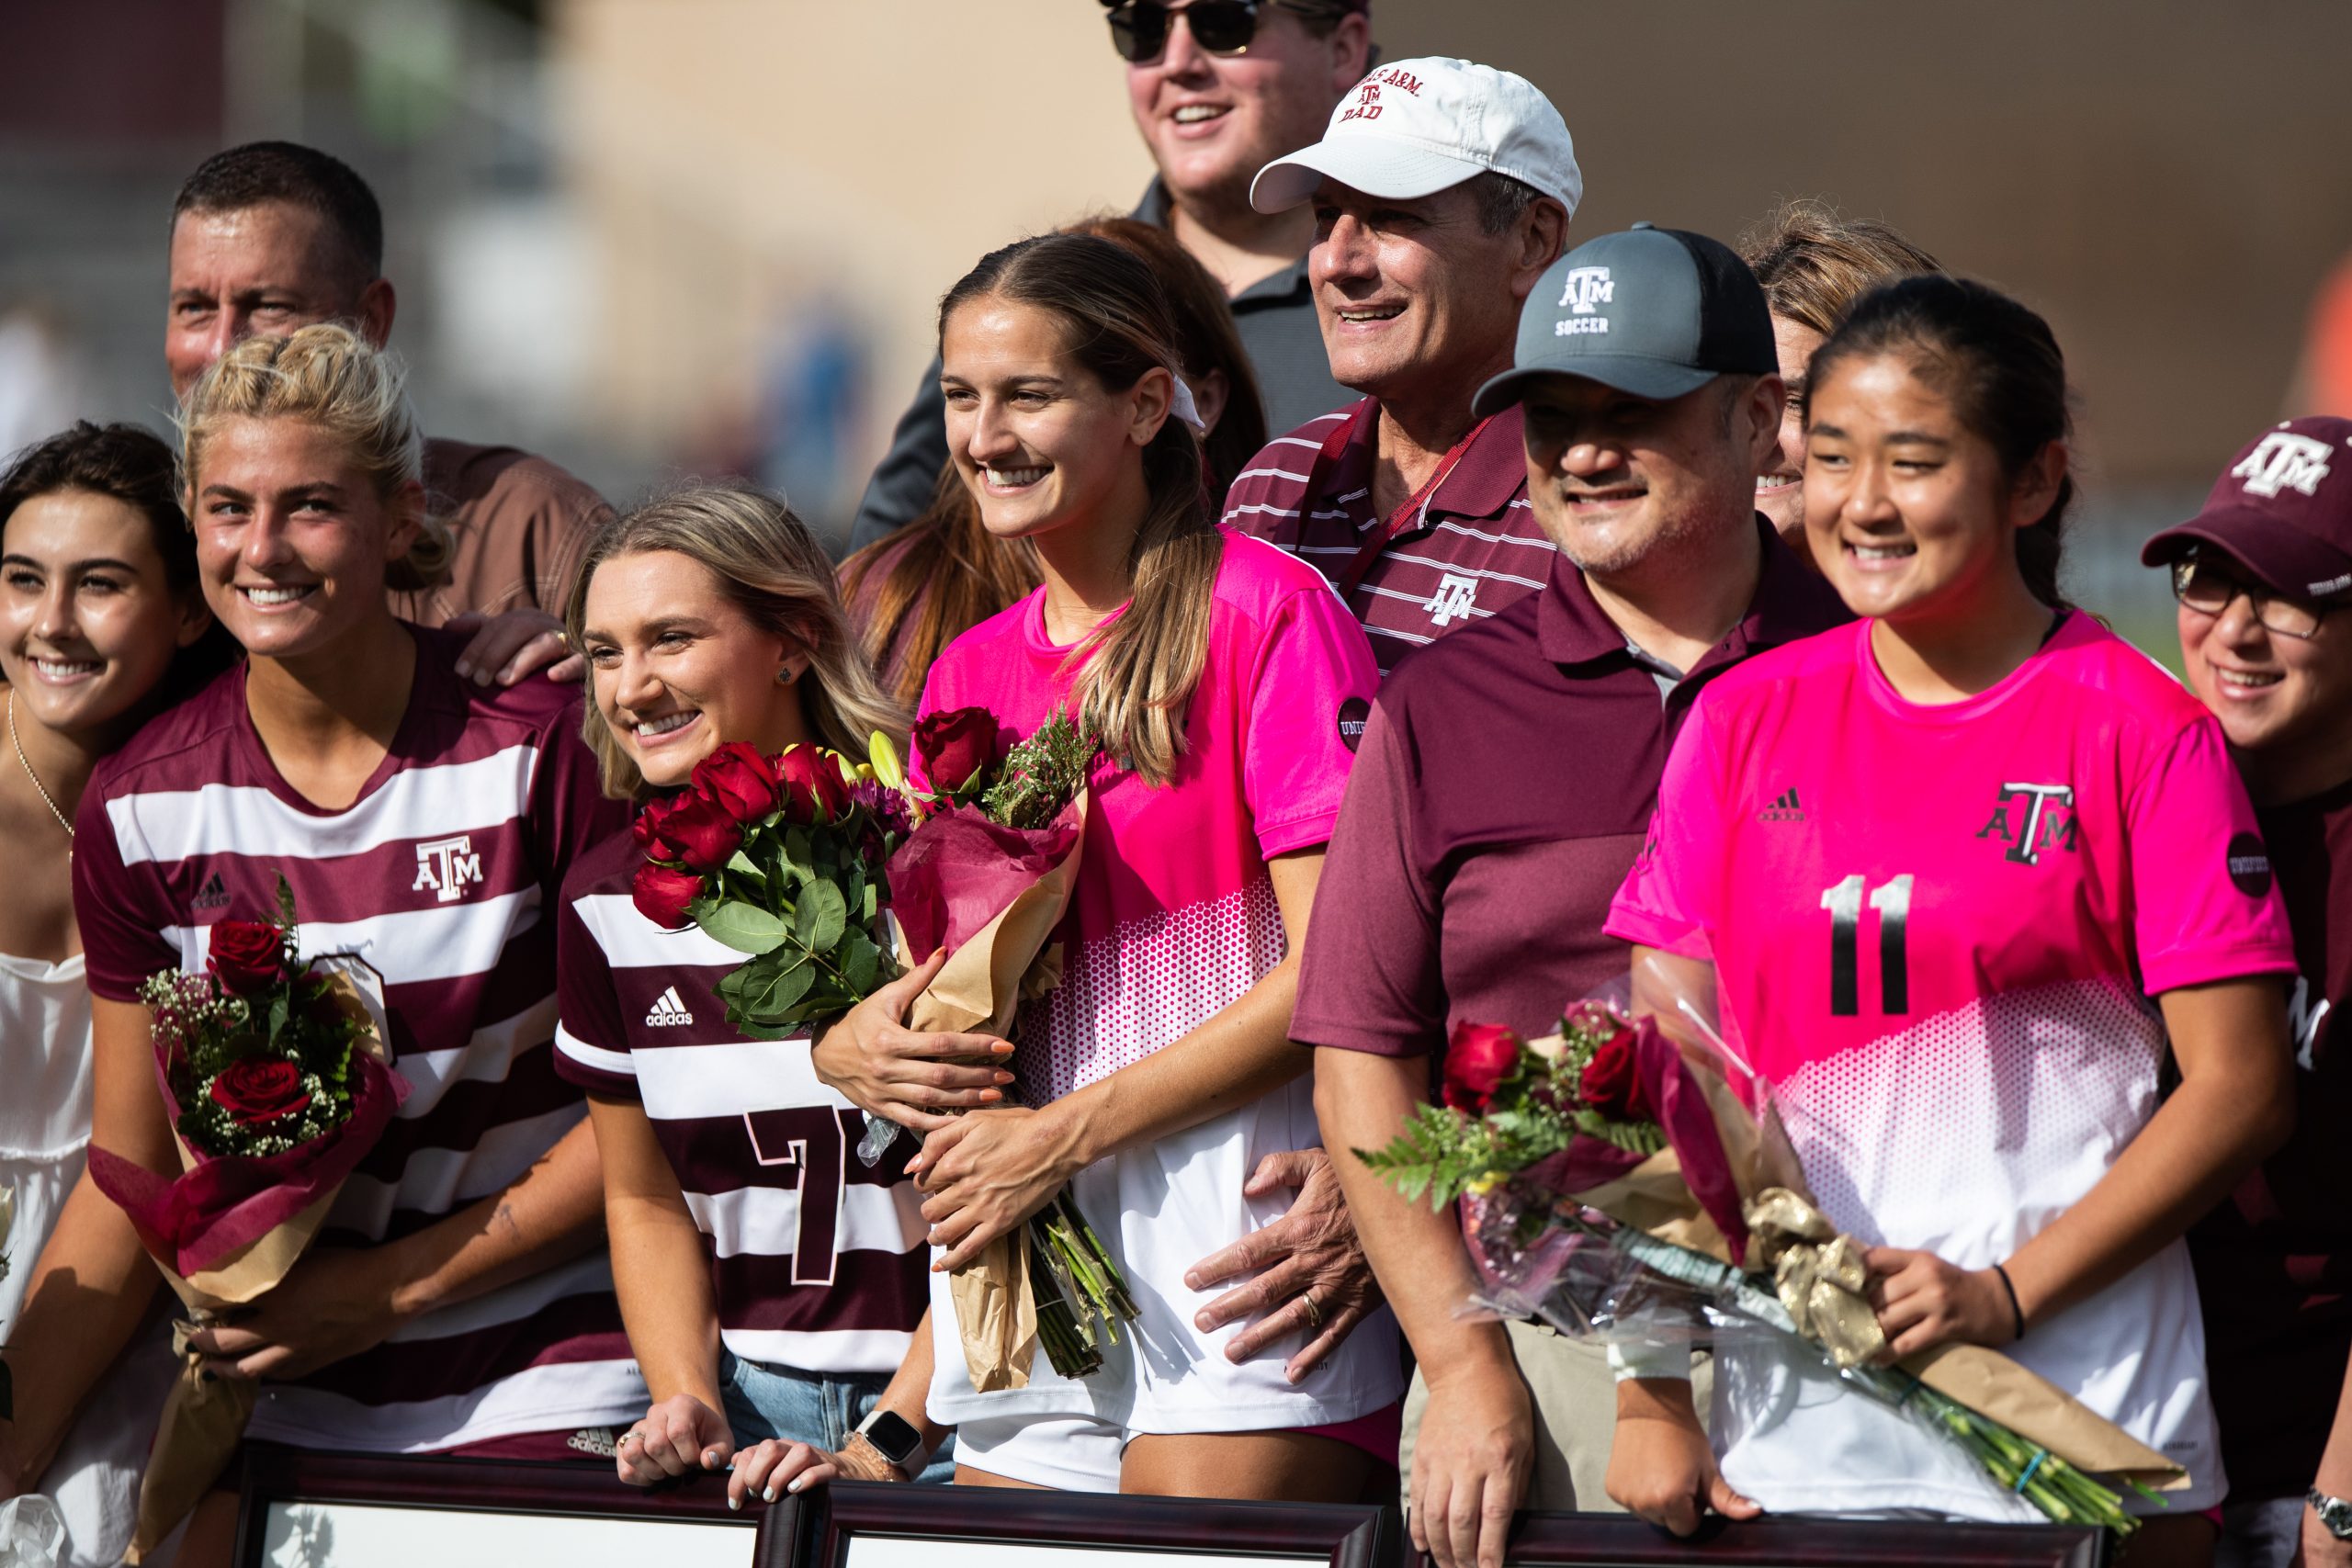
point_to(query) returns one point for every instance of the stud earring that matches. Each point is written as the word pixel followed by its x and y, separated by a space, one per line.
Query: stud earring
pixel 786 676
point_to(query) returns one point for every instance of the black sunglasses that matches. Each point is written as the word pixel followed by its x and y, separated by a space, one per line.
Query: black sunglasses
pixel 1140 28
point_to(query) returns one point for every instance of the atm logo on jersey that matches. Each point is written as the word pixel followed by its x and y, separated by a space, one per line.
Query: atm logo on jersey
pixel 2031 819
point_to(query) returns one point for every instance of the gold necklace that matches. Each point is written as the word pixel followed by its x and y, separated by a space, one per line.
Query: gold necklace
pixel 40 788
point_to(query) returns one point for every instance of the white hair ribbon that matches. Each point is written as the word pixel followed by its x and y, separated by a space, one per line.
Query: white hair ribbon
pixel 1182 406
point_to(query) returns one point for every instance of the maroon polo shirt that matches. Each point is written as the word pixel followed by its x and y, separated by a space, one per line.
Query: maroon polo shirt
pixel 1502 787
pixel 1452 558
pixel 2274 1264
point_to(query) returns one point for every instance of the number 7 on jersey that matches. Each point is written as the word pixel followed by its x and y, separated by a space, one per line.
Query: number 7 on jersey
pixel 1892 902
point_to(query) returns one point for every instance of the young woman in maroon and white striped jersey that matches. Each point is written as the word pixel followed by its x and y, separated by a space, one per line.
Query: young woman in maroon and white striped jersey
pixel 771 1281
pixel 457 1300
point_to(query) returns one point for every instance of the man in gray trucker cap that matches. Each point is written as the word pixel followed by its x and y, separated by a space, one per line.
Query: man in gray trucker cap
pixel 1645 370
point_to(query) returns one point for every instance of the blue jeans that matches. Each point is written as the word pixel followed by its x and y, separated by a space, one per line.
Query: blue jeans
pixel 764 1401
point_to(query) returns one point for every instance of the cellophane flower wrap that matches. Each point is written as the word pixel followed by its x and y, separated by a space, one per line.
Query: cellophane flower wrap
pixel 274 1070
pixel 1627 1179
pixel 986 876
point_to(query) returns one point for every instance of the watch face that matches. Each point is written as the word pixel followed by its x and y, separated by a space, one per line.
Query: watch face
pixel 893 1437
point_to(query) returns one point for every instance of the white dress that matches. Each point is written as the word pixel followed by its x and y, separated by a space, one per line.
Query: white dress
pixel 45 1063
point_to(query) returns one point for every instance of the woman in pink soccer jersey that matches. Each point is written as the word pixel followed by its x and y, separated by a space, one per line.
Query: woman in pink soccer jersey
pixel 456 1298
pixel 1941 861
pixel 1216 671
pixel 771 1281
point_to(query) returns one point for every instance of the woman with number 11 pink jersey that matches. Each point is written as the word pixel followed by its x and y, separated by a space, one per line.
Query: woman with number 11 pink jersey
pixel 1941 859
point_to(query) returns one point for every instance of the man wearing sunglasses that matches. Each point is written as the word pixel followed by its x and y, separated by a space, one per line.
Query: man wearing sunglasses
pixel 2264 578
pixel 1218 88
pixel 1440 190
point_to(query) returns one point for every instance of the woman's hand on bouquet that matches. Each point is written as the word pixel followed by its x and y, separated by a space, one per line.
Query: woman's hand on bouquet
pixel 1661 1466
pixel 1311 1275
pixel 335 1303
pixel 681 1435
pixel 776 1468
pixel 987 1174
pixel 870 1058
pixel 1923 1302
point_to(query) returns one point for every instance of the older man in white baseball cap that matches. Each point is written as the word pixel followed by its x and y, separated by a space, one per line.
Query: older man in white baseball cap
pixel 1442 191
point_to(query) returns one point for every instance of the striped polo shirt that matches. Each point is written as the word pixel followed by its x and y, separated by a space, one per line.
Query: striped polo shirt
pixel 439 875
pixel 817 1259
pixel 1471 548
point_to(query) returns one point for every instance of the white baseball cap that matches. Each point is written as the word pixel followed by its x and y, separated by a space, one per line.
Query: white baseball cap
pixel 1417 127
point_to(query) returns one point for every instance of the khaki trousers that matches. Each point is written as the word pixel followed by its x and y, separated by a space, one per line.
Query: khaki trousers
pixel 1574 1396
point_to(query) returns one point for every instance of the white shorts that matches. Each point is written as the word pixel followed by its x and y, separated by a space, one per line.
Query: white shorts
pixel 1159 1210
pixel 1068 1453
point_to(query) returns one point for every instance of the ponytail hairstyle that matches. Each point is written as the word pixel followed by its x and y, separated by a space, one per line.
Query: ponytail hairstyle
pixel 912 593
pixel 330 377
pixel 1998 365
pixel 127 464
pixel 1117 326
pixel 772 570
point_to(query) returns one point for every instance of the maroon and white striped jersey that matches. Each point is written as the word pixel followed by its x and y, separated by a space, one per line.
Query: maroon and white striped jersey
pixel 440 875
pixel 817 1259
pixel 1464 550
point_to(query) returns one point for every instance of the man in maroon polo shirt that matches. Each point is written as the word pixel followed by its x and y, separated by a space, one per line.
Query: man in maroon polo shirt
pixel 1442 191
pixel 1503 783
pixel 2263 577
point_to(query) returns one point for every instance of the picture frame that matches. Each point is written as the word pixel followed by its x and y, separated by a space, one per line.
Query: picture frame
pixel 1620 1540
pixel 853 1524
pixel 300 1509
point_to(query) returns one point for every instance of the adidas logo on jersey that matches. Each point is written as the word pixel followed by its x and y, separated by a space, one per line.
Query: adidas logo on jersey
pixel 211 895
pixel 668 1010
pixel 1784 809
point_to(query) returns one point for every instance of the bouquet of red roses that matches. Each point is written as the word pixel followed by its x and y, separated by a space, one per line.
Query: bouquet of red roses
pixel 781 858
pixel 274 1073
pixel 1619 1182
pixel 986 876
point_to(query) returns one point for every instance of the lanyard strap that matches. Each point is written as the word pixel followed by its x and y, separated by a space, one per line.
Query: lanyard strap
pixel 1412 514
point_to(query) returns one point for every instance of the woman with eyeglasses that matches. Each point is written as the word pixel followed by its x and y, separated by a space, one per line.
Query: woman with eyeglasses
pixel 2263 577
pixel 2025 871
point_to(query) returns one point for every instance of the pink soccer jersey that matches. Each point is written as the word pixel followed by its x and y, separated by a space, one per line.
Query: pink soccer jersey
pixel 1172 919
pixel 442 875
pixel 1936 930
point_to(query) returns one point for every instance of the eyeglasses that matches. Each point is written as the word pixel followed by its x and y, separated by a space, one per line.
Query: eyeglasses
pixel 1140 28
pixel 2210 591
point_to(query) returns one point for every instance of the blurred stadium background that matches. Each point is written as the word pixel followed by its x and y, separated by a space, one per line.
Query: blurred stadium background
pixel 656 237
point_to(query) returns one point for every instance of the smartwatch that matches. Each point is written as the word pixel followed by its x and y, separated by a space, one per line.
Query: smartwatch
pixel 2333 1512
pixel 895 1440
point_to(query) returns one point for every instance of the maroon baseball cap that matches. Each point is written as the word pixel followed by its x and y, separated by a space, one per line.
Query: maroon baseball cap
pixel 2283 509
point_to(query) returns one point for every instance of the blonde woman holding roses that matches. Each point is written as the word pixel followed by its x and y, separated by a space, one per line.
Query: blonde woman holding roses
pixel 457 1300
pixel 771 1280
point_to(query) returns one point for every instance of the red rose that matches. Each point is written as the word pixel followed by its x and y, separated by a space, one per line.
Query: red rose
pixel 662 894
pixel 694 828
pixel 255 1092
pixel 955 745
pixel 248 957
pixel 1611 1082
pixel 1480 1058
pixel 814 788
pixel 740 779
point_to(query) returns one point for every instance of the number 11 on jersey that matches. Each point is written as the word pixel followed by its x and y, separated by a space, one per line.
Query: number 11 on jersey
pixel 1892 902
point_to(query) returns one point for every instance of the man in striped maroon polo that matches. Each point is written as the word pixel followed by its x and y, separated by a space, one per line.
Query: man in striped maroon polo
pixel 1442 191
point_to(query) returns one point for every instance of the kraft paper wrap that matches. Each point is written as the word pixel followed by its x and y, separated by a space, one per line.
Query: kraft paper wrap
pixel 1821 1278
pixel 204 1415
pixel 977 991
